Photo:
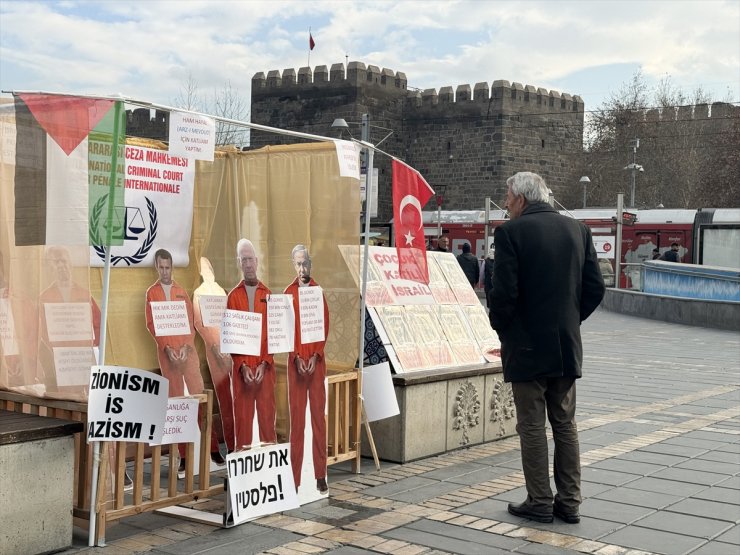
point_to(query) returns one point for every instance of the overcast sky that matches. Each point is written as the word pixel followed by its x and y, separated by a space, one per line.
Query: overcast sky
pixel 147 49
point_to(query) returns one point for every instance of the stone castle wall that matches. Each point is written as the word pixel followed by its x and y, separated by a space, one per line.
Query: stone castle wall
pixel 465 141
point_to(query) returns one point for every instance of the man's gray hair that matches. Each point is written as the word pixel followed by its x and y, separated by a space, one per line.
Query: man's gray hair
pixel 530 185
pixel 243 243
pixel 299 248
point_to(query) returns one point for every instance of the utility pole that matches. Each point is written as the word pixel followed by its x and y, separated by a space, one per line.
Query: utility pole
pixel 635 145
pixel 364 166
pixel 618 246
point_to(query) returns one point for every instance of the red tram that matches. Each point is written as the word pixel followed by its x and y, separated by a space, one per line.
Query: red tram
pixel 709 236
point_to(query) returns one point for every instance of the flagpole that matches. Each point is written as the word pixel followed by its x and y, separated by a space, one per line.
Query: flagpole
pixel 104 313
pixel 309 47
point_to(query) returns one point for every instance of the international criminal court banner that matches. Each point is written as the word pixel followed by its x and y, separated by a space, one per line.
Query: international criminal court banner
pixel 157 207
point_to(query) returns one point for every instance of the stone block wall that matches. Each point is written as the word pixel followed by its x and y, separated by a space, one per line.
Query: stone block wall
pixel 465 141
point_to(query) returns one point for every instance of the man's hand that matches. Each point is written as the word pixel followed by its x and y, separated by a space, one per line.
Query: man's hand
pixel 260 372
pixel 184 350
pixel 300 365
pixel 246 373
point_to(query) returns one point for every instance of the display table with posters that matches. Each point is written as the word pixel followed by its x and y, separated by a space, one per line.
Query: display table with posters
pixel 37 458
pixel 445 409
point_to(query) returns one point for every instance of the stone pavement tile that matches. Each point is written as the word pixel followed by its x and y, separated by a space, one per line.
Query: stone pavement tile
pixel 612 550
pixel 721 456
pixel 553 538
pixel 732 483
pixel 443 516
pixel 543 549
pixel 499 458
pixel 302 547
pixel 227 541
pixel 689 476
pixel 688 525
pixel 348 550
pixel 653 458
pixel 615 512
pixel 729 448
pixel 710 466
pixel 308 528
pixel 151 521
pixel 133 545
pixel 670 487
pixel 640 498
pixel 479 476
pixel 704 444
pixel 588 546
pixel 342 536
pixel 731 536
pixel 721 495
pixel 670 449
pixel 630 467
pixel 406 484
pixel 608 477
pixel 482 524
pixel 502 528
pixel 716 548
pixel 423 493
pixel 152 538
pixel 370 526
pixel 411 550
pixel 122 530
pixel 713 436
pixel 368 541
pixel 389 546
pixel 452 471
pixel 170 534
pixel 319 542
pixel 708 509
pixel 629 428
pixel 454 539
pixel 655 541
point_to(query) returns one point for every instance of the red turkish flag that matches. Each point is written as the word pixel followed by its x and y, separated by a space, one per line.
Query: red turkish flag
pixel 311 42
pixel 410 193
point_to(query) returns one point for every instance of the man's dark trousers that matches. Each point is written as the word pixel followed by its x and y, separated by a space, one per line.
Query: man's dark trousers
pixel 556 397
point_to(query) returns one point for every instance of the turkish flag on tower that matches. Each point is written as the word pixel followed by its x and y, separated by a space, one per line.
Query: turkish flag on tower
pixel 311 42
pixel 410 193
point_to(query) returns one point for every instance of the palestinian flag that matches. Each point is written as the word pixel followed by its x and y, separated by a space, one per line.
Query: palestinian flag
pixel 69 157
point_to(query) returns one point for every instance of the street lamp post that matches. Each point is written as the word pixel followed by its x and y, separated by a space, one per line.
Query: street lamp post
pixel 585 180
pixel 634 167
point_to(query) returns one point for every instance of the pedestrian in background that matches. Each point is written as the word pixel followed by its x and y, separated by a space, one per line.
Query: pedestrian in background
pixel 469 264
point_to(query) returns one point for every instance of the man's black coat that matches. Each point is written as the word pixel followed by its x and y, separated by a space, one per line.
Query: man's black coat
pixel 546 281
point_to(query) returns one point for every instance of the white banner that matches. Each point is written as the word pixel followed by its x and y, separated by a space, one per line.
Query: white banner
pixel 126 404
pixel 73 364
pixel 170 318
pixel 378 395
pixel 241 332
pixel 157 210
pixel 280 324
pixel 192 136
pixel 348 156
pixel 311 313
pixel 181 421
pixel 212 310
pixel 68 322
pixel 260 482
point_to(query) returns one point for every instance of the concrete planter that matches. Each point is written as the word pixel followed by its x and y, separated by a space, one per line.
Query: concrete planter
pixel 444 410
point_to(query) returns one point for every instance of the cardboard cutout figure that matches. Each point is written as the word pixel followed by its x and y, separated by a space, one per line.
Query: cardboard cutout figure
pixel 169 318
pixel 70 328
pixel 253 375
pixel 212 295
pixel 307 372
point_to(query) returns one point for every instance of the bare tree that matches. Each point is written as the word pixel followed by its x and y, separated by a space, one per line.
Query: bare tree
pixel 188 98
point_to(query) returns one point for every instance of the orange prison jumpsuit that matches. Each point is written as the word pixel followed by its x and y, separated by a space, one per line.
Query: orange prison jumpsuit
pixel 300 388
pixel 247 397
pixel 178 373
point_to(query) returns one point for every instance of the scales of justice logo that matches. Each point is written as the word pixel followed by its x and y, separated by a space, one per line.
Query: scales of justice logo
pixel 128 225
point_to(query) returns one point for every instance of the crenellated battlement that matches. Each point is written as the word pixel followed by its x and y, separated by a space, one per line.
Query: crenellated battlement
pixel 356 75
pixel 698 112
pixel 506 95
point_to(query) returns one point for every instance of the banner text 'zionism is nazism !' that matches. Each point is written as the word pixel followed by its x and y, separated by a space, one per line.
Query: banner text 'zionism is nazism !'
pixel 126 404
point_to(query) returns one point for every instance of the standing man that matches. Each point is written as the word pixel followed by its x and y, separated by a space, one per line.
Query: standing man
pixel 546 282
pixel 178 359
pixel 469 264
pixel 306 374
pixel 443 244
pixel 671 255
pixel 253 376
pixel 488 270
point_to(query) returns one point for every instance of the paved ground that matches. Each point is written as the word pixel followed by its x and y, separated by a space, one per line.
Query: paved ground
pixel 659 421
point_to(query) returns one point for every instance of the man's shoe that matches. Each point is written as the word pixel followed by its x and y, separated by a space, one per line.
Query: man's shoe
pixel 181 466
pixel 571 517
pixel 525 511
pixel 321 485
pixel 217 458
